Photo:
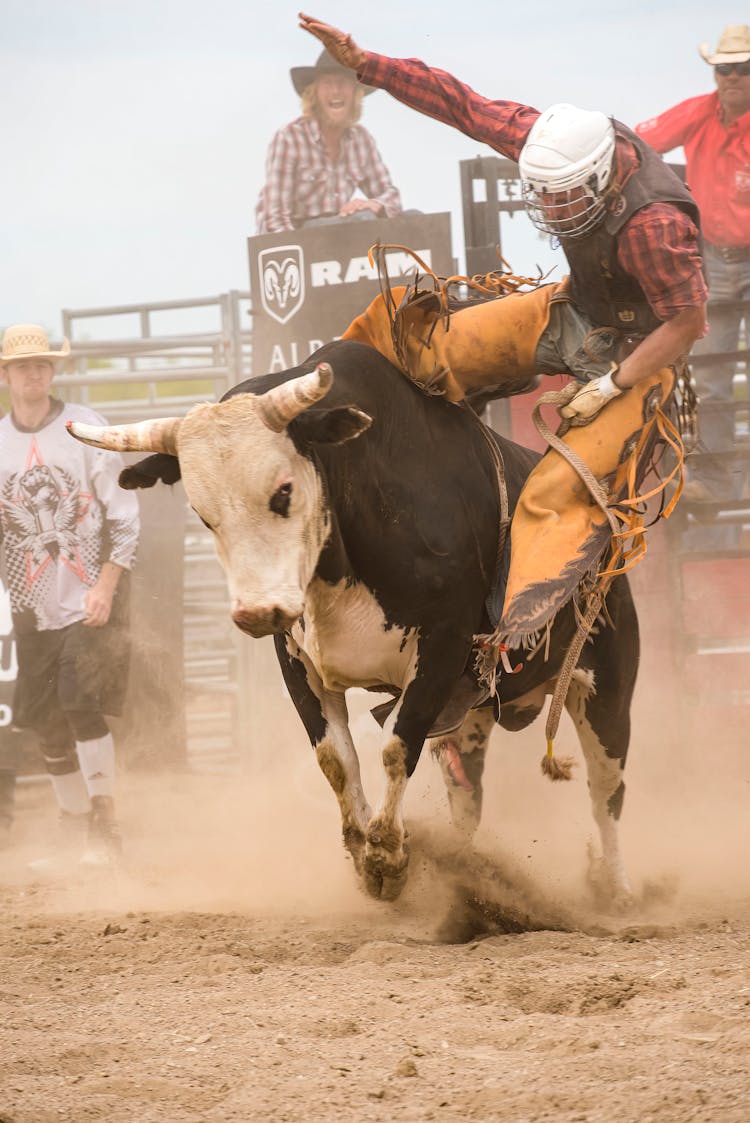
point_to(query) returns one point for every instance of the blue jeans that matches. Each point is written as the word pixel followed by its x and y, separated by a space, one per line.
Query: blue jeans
pixel 567 344
pixel 726 282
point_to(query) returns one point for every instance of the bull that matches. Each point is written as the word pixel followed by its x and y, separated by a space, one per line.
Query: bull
pixel 356 520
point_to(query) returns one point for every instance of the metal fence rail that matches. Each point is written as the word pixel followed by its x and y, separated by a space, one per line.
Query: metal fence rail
pixel 130 371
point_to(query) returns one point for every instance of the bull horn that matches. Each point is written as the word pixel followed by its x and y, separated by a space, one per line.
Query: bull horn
pixel 159 435
pixel 279 406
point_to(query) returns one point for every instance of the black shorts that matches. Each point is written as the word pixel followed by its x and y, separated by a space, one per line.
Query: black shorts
pixel 74 668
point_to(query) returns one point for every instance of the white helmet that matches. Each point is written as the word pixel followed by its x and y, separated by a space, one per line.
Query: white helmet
pixel 567 149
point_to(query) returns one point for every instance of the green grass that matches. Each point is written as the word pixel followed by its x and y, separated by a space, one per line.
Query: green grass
pixel 122 390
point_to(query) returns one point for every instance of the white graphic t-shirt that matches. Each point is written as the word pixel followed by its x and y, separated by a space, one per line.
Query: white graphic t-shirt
pixel 63 515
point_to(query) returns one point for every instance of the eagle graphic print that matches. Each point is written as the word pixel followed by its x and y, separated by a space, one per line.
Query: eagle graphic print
pixel 63 516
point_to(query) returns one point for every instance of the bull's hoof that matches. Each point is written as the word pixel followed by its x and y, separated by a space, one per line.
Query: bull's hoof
pixel 384 882
pixel 386 861
pixel 609 893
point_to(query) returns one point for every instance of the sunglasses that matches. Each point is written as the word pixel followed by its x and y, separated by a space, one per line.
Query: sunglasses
pixel 741 68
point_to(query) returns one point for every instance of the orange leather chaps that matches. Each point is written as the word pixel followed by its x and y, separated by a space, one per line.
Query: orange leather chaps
pixel 558 534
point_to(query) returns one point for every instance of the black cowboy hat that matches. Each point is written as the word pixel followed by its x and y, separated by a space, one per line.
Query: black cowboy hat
pixel 302 76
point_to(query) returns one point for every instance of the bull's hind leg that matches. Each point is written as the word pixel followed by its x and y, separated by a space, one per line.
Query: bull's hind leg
pixel 599 702
pixel 461 757
pixel 324 715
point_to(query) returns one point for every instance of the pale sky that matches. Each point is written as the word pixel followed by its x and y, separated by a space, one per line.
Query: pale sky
pixel 134 132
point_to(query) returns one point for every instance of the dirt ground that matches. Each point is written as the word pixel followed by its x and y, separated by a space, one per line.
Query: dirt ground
pixel 232 971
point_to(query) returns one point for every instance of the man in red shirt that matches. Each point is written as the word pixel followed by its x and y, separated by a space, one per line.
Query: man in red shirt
pixel 714 130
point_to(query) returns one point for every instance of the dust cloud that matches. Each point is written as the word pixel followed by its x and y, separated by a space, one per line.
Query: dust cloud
pixel 266 841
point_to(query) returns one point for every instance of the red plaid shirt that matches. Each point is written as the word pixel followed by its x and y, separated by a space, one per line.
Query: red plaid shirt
pixel 302 182
pixel 658 246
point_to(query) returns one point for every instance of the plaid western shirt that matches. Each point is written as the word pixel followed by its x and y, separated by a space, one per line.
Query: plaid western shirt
pixel 658 246
pixel 302 182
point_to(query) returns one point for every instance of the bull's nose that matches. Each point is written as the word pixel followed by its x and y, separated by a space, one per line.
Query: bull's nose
pixel 263 621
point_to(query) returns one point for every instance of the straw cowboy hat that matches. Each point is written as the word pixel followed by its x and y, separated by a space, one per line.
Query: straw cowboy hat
pixel 302 76
pixel 29 341
pixel 734 46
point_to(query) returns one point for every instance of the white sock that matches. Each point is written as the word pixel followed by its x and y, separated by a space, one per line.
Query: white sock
pixel 98 764
pixel 72 794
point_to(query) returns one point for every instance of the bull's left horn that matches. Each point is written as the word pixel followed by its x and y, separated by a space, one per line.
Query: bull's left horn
pixel 281 405
pixel 159 435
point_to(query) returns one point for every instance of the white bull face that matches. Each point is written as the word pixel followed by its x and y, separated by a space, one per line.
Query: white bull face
pixel 263 502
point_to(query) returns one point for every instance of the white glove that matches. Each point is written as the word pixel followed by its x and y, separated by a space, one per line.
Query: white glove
pixel 592 397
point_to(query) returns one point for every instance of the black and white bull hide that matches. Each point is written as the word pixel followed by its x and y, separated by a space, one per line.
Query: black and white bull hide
pixel 357 519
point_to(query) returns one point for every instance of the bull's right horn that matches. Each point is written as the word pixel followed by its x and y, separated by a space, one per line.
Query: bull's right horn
pixel 159 435
pixel 279 406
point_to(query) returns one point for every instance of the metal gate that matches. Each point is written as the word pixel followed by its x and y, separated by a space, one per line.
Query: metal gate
pixel 157 360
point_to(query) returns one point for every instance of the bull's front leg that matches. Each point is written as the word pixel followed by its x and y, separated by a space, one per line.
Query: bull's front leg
pixel 324 715
pixel 386 855
pixel 441 662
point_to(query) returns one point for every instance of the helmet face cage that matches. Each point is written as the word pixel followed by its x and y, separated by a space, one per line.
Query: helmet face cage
pixel 567 213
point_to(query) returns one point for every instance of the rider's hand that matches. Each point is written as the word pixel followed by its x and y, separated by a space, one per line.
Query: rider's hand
pixel 592 397
pixel 338 44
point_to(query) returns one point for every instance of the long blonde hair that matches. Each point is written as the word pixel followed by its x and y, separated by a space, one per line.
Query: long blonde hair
pixel 309 101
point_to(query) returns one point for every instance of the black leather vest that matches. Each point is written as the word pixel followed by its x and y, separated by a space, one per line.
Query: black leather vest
pixel 608 295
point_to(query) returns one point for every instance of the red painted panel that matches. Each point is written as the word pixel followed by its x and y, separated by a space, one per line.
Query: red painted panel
pixel 523 431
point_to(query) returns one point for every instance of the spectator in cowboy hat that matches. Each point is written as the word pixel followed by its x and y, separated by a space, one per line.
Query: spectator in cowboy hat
pixel 714 130
pixel 317 162
pixel 69 536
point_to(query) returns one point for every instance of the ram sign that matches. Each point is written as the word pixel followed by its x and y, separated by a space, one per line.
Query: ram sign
pixel 307 285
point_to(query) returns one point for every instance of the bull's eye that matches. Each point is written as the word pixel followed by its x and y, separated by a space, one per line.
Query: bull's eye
pixel 200 516
pixel 280 500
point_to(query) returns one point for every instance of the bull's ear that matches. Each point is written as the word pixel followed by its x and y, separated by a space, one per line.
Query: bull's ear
pixel 147 472
pixel 331 426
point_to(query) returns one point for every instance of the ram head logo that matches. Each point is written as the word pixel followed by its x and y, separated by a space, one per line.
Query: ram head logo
pixel 282 281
